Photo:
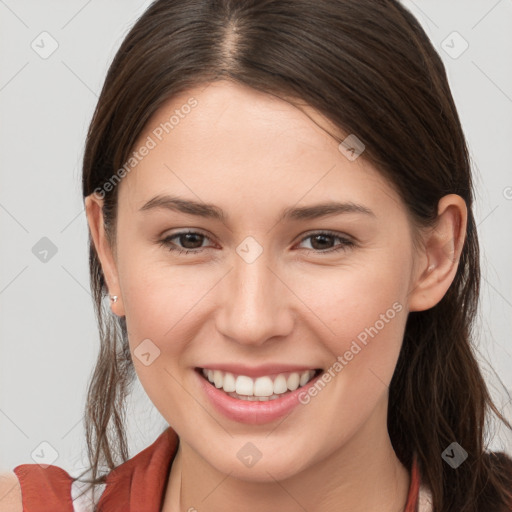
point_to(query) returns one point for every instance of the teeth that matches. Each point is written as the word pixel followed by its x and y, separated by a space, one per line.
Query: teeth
pixel 293 381
pixel 304 378
pixel 217 378
pixel 254 398
pixel 229 383
pixel 259 389
pixel 244 385
pixel 263 386
pixel 280 385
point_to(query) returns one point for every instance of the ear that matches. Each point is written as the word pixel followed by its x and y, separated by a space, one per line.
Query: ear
pixel 439 260
pixel 94 212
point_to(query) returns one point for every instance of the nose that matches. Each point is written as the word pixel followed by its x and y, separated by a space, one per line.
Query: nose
pixel 256 303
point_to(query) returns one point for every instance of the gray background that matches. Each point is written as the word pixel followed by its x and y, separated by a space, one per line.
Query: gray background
pixel 48 336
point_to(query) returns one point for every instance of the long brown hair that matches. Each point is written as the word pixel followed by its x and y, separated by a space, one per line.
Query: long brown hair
pixel 369 67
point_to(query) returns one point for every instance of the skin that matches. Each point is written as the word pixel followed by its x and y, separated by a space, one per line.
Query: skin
pixel 253 155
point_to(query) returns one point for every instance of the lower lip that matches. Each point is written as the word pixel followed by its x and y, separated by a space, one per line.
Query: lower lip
pixel 254 413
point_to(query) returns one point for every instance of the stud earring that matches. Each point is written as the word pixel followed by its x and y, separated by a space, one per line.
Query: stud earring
pixel 432 267
pixel 113 298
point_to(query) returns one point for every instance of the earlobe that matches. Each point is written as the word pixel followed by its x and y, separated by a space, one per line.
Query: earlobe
pixel 94 212
pixel 442 249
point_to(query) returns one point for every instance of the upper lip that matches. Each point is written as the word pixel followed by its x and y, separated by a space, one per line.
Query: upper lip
pixel 257 371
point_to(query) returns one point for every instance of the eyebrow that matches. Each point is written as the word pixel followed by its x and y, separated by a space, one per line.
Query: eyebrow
pixel 292 213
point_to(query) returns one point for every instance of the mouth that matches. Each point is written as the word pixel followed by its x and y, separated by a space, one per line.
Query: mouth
pixel 258 389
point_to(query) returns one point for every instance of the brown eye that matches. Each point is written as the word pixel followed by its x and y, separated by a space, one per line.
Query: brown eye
pixel 323 242
pixel 191 240
pixel 187 241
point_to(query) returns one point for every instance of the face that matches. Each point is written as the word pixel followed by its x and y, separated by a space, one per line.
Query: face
pixel 254 291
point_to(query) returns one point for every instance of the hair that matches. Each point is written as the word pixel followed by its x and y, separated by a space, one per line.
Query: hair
pixel 369 68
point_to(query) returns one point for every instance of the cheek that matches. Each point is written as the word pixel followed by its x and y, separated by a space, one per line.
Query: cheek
pixel 158 300
pixel 360 312
pixel 355 296
pixel 162 304
pixel 162 300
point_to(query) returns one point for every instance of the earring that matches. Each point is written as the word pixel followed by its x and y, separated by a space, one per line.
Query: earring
pixel 432 267
pixel 113 298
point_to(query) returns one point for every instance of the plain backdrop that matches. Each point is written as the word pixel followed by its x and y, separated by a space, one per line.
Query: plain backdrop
pixel 48 335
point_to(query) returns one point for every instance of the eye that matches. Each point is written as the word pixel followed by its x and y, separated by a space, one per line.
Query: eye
pixel 322 239
pixel 192 242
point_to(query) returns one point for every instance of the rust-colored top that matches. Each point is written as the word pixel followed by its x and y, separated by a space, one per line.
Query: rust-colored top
pixel 137 485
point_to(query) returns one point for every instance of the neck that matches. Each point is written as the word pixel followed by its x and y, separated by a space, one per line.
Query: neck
pixel 364 475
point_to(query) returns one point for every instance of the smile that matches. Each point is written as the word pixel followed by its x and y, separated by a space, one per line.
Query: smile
pixel 263 388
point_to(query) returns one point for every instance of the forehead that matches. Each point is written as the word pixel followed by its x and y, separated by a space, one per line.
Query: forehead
pixel 223 138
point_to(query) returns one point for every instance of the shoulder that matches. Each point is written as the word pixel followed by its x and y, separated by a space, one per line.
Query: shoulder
pixel 10 493
pixel 35 485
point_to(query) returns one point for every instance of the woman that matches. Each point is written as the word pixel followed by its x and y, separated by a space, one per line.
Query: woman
pixel 280 200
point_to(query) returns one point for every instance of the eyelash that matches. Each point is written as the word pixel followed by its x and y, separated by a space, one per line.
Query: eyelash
pixel 346 243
